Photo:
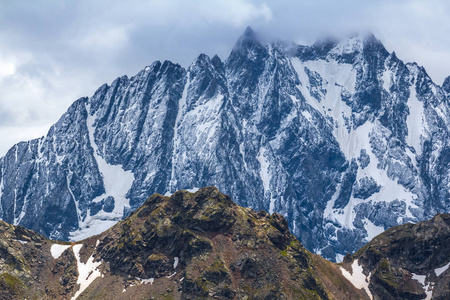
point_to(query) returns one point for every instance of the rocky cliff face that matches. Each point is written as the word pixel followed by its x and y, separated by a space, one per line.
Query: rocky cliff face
pixel 342 138
pixel 407 262
pixel 188 246
pixel 29 271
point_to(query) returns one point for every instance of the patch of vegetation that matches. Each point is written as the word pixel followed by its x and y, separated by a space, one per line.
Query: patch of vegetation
pixel 384 274
pixel 11 285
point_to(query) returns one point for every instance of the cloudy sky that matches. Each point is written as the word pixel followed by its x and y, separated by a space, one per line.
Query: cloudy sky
pixel 53 52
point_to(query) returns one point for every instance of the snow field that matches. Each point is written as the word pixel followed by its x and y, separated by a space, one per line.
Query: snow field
pixel 87 272
pixel 357 277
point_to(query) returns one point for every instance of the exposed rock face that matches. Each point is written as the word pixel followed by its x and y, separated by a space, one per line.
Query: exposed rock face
pixel 341 137
pixel 188 246
pixel 409 261
pixel 28 270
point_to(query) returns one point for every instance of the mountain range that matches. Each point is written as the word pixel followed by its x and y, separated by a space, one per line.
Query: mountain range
pixel 342 138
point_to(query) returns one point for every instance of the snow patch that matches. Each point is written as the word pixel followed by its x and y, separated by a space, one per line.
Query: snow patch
pixel 57 250
pixel 87 272
pixel 145 281
pixel 20 241
pixel 386 78
pixel 426 288
pixel 307 115
pixel 264 170
pixel 441 270
pixel 357 277
pixel 175 262
pixel 371 229
pixel 339 258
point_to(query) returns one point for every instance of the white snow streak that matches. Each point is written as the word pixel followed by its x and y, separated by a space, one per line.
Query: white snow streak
pixel 20 241
pixel 357 277
pixel 57 250
pixel 415 121
pixel 264 174
pixel 386 78
pixel 117 182
pixel 175 262
pixel 87 272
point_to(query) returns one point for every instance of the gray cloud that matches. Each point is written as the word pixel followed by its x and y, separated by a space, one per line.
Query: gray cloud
pixel 53 52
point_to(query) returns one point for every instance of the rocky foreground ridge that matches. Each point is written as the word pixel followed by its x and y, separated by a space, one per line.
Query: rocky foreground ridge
pixel 203 246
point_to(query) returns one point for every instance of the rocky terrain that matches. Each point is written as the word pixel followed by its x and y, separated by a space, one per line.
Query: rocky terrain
pixel 342 138
pixel 203 246
pixel 188 246
pixel 407 262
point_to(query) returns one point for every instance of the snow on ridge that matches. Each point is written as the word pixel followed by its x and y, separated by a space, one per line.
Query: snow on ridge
pixel 57 250
pixel 87 272
pixel 357 277
pixel 348 46
pixel 117 182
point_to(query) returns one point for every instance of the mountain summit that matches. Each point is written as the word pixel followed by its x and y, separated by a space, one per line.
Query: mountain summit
pixel 343 139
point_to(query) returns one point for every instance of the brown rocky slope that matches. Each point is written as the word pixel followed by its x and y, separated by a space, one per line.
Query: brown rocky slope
pixel 196 246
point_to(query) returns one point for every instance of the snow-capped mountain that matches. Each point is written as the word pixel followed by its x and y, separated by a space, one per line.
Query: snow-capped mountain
pixel 341 137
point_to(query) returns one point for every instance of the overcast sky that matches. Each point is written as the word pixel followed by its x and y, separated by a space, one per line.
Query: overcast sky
pixel 53 52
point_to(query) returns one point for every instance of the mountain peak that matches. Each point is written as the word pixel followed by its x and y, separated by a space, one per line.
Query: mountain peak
pixel 247 39
pixel 446 84
pixel 249 31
